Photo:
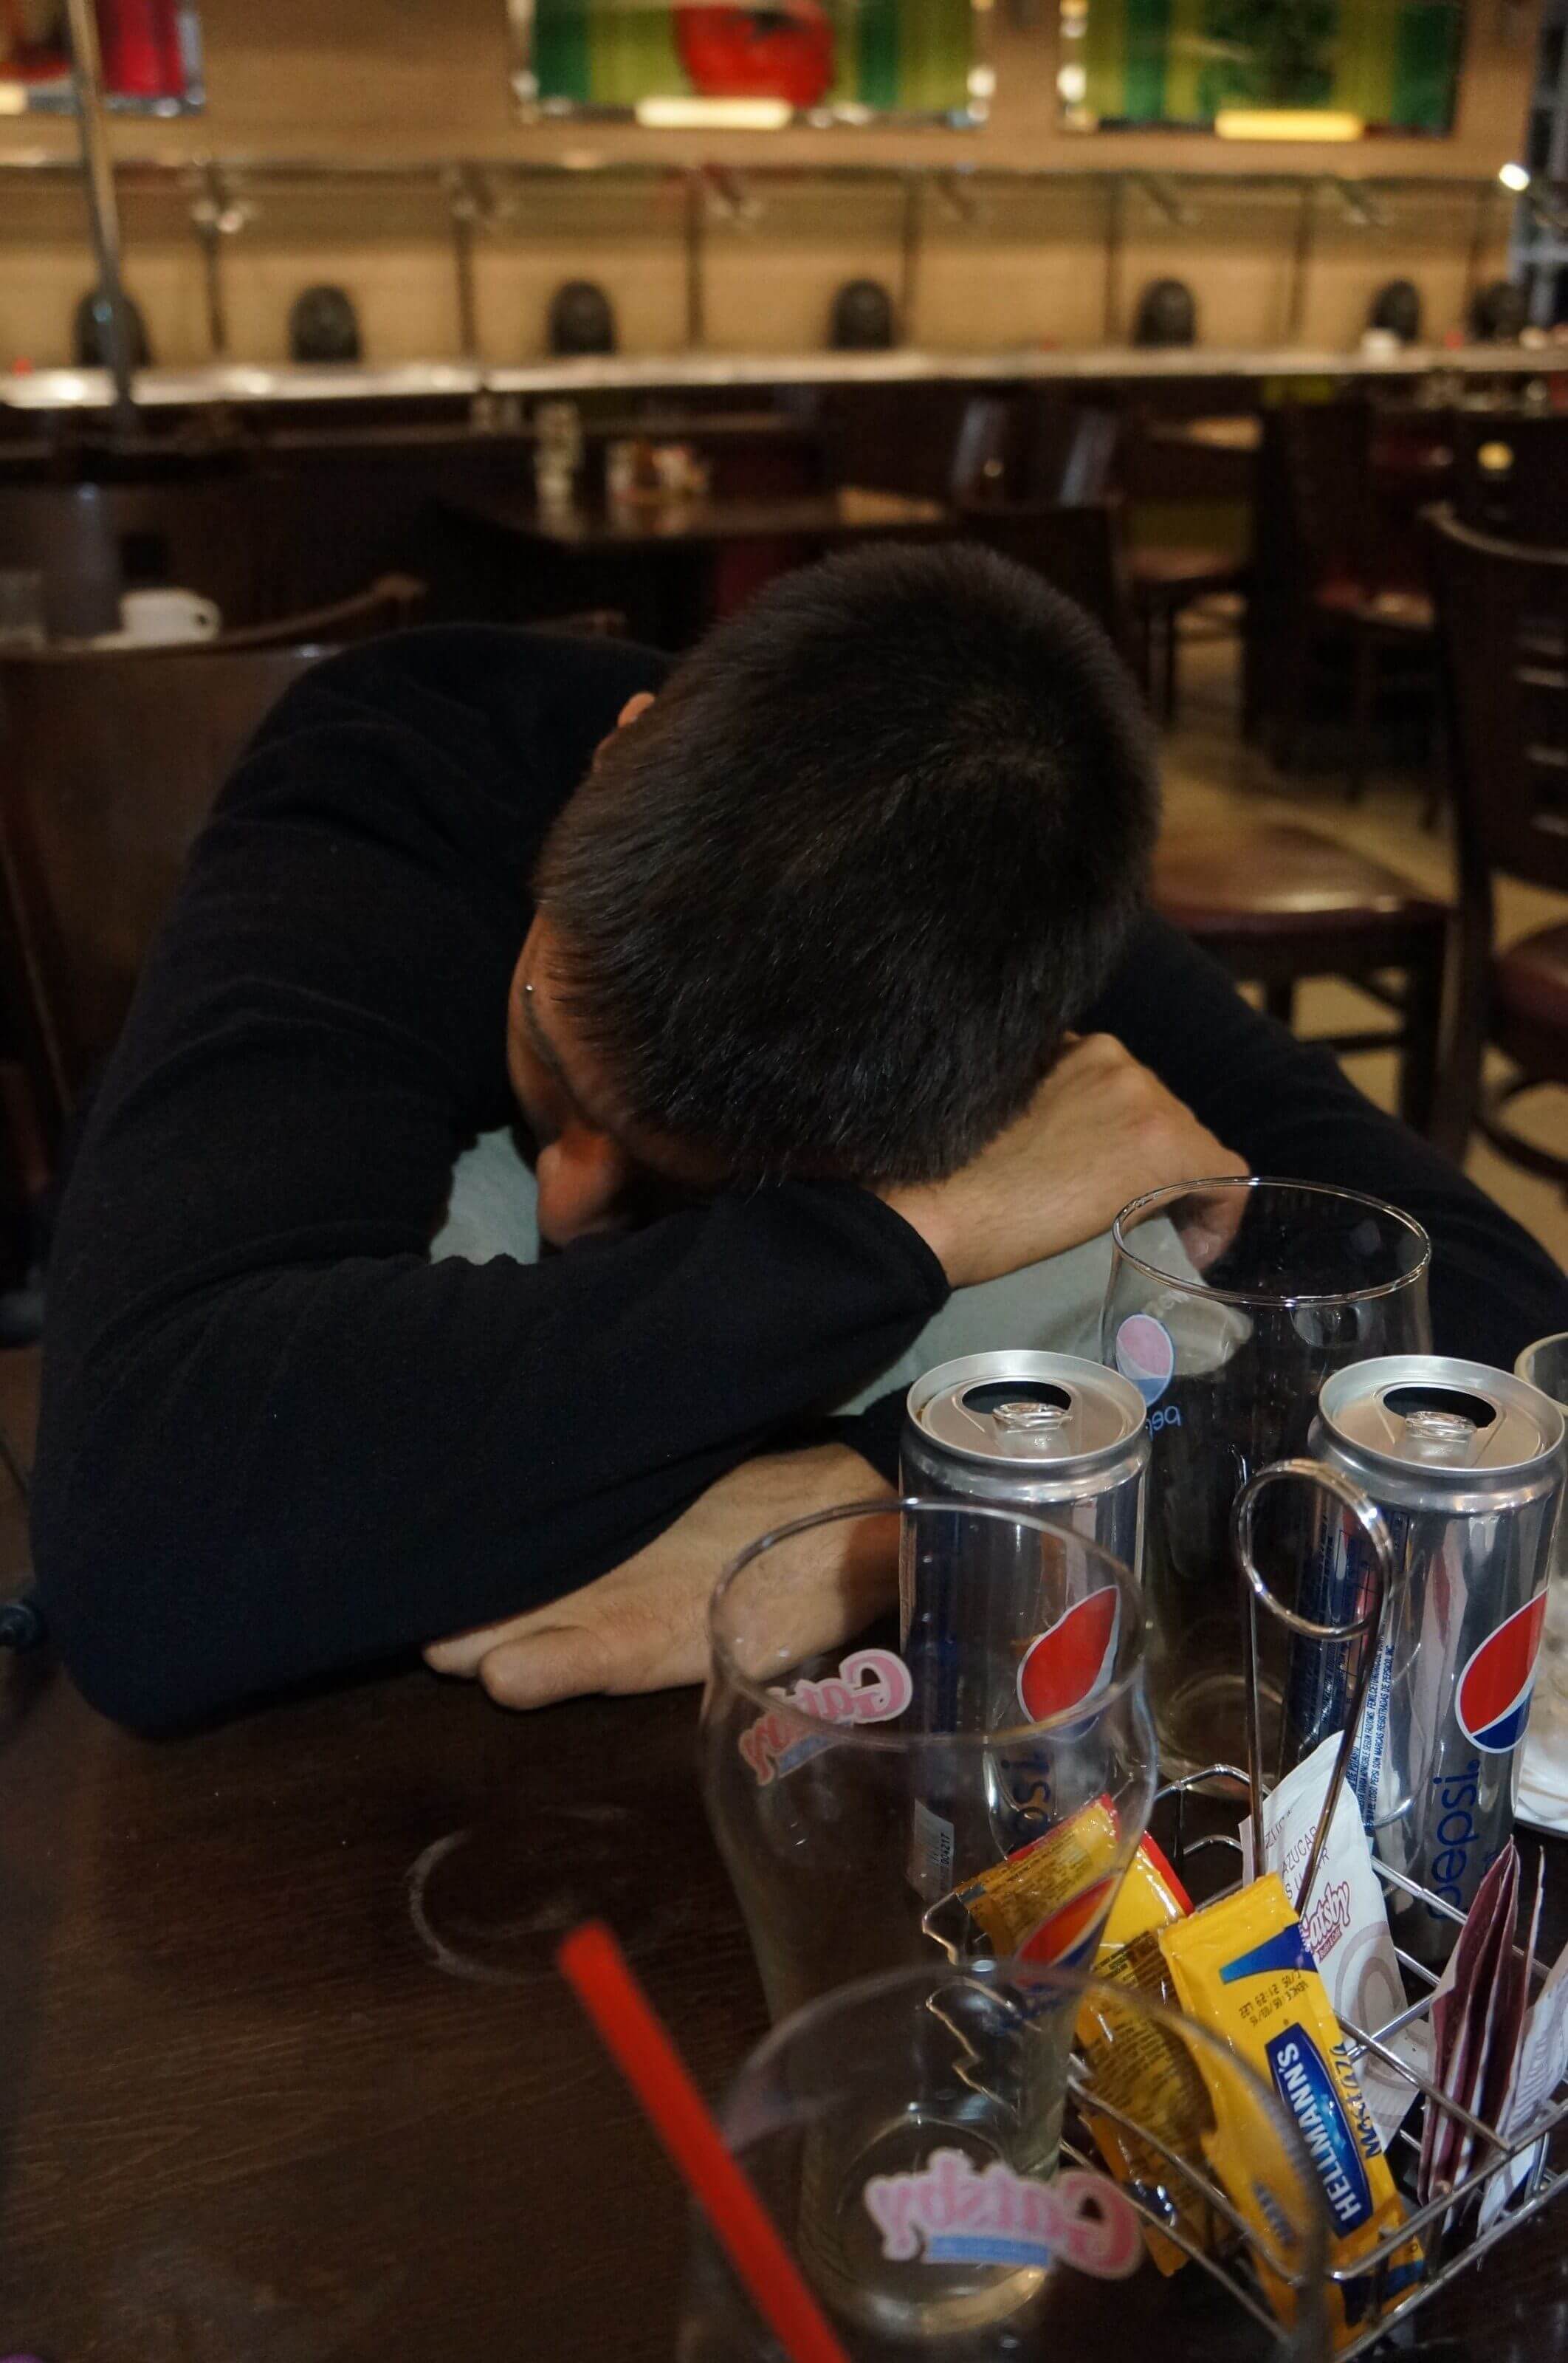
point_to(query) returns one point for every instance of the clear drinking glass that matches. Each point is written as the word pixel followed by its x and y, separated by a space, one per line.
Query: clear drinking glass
pixel 1545 1365
pixel 1229 1304
pixel 927 2145
pixel 868 1750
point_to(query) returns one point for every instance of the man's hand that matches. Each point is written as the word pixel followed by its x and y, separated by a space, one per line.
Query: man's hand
pixel 1099 1131
pixel 643 1625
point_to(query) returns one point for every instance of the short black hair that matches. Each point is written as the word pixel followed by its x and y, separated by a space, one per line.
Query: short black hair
pixel 831 903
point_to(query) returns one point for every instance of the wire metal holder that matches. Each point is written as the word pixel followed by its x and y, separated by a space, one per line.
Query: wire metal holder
pixel 1231 2259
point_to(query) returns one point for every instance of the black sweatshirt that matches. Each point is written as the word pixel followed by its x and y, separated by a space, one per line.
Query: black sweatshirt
pixel 276 1439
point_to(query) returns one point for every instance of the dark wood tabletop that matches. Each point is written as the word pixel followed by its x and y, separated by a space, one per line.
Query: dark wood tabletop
pixel 286 2075
pixel 845 514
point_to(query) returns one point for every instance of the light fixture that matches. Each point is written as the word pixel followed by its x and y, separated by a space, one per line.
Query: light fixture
pixel 714 114
pixel 1514 177
pixel 1286 123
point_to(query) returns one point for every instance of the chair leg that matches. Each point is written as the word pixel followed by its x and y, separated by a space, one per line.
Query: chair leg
pixel 1279 1000
pixel 1365 684
pixel 1168 701
pixel 1458 1090
pixel 1418 1059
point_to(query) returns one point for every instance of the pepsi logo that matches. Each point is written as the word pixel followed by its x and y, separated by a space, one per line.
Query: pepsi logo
pixel 1493 1697
pixel 1071 1663
pixel 1146 1353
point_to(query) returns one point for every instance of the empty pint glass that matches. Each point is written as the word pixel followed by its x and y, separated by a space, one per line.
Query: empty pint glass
pixel 930 2146
pixel 891 1779
pixel 1229 1304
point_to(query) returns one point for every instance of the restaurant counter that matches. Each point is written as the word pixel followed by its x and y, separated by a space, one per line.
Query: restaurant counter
pixel 246 383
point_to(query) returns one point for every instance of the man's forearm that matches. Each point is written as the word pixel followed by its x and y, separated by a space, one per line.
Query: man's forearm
pixel 643 1625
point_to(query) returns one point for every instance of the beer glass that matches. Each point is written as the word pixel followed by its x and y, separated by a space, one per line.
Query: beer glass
pixel 1229 1304
pixel 1545 1365
pixel 905 1701
pixel 929 2147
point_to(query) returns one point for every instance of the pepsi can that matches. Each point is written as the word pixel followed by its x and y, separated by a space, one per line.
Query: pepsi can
pixel 1466 1465
pixel 1062 1440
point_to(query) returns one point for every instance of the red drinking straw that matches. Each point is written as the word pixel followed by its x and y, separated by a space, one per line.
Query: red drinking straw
pixel 596 1968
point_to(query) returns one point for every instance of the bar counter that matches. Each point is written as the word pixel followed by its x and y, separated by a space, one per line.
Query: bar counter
pixel 246 384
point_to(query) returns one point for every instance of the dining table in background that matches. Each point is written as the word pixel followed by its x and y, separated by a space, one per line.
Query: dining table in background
pixel 672 567
pixel 287 2074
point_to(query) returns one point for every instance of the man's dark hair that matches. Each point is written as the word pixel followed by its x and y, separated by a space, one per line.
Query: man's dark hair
pixel 830 905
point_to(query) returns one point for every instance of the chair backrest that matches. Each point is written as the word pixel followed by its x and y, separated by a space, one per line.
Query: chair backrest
pixel 1077 550
pixel 987 455
pixel 1028 448
pixel 1502 611
pixel 390 604
pixel 108 763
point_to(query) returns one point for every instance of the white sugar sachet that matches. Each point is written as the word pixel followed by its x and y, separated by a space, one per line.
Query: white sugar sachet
pixel 1345 1923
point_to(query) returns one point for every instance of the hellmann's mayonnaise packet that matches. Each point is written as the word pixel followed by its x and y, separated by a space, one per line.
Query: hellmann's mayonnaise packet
pixel 1140 2070
pixel 1038 1903
pixel 1242 1967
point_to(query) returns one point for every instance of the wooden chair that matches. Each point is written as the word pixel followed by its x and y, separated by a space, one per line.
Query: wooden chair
pixel 109 759
pixel 1503 610
pixel 1337 575
pixel 1276 904
pixel 108 763
pixel 1167 580
pixel 1078 549
pixel 1039 451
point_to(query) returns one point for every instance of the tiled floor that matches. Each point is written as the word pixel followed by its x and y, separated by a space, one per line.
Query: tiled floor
pixel 1209 773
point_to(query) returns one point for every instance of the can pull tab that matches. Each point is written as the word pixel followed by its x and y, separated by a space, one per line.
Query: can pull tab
pixel 1024 1417
pixel 1432 1430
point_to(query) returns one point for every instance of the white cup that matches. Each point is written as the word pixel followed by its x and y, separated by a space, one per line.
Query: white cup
pixel 154 617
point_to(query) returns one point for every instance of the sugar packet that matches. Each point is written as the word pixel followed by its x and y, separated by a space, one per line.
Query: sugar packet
pixel 1345 1923
pixel 1537 2069
pixel 1468 2017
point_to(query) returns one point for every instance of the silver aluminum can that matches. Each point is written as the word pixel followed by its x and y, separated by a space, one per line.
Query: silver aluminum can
pixel 1467 1464
pixel 1063 1440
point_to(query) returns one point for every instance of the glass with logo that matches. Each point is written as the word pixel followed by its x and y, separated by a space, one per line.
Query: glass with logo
pixel 1229 1303
pixel 892 1779
pixel 1545 1365
pixel 949 2156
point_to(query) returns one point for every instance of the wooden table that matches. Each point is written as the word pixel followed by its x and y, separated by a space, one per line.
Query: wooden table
pixel 286 2075
pixel 674 566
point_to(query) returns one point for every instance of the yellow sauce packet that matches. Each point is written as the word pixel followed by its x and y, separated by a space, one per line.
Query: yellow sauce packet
pixel 1035 1904
pixel 1242 1967
pixel 1138 2068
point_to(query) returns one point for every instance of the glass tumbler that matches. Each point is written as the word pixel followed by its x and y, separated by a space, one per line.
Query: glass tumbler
pixel 1545 1365
pixel 924 1736
pixel 1229 1304
pixel 932 2146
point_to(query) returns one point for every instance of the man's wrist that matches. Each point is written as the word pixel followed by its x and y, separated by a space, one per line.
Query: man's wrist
pixel 921 1206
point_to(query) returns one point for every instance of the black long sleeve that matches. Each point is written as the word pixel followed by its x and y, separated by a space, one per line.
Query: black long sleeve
pixel 275 1439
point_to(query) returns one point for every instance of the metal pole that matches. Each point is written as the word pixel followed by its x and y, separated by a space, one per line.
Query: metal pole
pixel 103 211
pixel 211 215
pixel 1114 324
pixel 465 194
pixel 696 209
pixel 909 254
pixel 1300 263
